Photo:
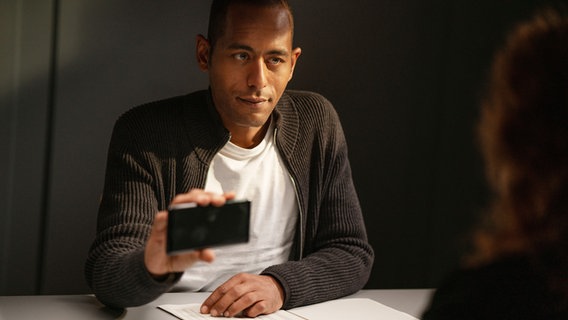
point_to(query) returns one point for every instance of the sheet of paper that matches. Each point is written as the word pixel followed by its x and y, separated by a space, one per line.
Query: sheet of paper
pixel 341 309
pixel 356 308
pixel 191 312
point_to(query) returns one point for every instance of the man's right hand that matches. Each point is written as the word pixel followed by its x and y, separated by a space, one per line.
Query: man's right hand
pixel 157 261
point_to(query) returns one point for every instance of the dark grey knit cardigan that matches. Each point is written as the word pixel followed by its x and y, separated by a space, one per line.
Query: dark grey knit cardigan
pixel 164 148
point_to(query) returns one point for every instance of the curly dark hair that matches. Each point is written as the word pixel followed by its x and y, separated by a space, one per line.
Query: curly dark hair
pixel 523 134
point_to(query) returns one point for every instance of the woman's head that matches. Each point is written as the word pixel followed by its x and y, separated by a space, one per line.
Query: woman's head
pixel 524 138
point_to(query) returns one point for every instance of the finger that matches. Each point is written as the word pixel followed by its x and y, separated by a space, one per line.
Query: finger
pixel 181 262
pixel 195 195
pixel 213 304
pixel 184 260
pixel 269 297
pixel 155 249
pixel 230 195
pixel 207 255
pixel 206 306
pixel 160 224
pixel 219 200
pixel 257 309
pixel 250 303
pixel 203 198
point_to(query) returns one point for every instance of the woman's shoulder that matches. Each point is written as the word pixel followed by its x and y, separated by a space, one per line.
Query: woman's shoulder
pixel 508 288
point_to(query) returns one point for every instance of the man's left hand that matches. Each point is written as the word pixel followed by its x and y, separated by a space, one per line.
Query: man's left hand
pixel 250 294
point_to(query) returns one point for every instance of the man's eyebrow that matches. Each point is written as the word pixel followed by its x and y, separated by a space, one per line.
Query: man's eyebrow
pixel 239 46
pixel 278 52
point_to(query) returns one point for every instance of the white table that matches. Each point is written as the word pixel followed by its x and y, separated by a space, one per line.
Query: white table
pixel 86 307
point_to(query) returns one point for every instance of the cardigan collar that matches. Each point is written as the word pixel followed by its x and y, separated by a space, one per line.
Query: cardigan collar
pixel 209 135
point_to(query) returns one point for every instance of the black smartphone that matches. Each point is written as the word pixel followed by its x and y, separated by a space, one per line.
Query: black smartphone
pixel 193 227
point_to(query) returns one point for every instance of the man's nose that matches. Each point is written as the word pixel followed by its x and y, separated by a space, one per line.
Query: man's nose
pixel 257 74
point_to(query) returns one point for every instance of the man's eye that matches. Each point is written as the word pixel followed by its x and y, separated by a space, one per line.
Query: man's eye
pixel 241 56
pixel 275 61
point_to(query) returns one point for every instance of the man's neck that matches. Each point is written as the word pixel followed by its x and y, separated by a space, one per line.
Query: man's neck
pixel 247 137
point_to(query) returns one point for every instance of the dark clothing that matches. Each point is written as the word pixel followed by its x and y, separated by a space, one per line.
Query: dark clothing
pixel 165 148
pixel 512 288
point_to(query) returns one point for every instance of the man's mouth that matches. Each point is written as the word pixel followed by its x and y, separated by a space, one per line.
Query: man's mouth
pixel 254 100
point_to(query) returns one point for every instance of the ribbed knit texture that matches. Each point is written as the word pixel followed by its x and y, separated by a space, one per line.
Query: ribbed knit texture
pixel 164 148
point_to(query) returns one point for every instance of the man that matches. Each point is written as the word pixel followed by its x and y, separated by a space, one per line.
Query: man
pixel 245 137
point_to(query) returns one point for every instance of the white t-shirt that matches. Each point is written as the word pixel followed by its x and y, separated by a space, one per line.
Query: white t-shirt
pixel 258 175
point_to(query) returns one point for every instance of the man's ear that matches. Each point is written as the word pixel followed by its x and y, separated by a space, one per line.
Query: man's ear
pixel 202 52
pixel 295 55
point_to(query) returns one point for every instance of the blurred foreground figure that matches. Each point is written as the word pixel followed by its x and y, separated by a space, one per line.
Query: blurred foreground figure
pixel 518 268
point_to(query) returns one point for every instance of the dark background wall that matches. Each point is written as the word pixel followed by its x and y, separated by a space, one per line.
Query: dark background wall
pixel 405 76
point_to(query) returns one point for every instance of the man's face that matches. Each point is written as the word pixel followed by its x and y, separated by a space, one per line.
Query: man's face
pixel 250 65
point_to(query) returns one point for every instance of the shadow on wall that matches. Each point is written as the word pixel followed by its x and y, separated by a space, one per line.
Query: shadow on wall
pixel 113 56
pixel 110 57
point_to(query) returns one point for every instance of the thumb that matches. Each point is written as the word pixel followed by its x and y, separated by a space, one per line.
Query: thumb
pixel 160 225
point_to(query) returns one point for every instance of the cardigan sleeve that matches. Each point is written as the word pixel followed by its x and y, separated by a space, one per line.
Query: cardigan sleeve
pixel 337 258
pixel 115 268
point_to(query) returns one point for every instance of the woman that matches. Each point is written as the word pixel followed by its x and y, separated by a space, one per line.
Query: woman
pixel 518 268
